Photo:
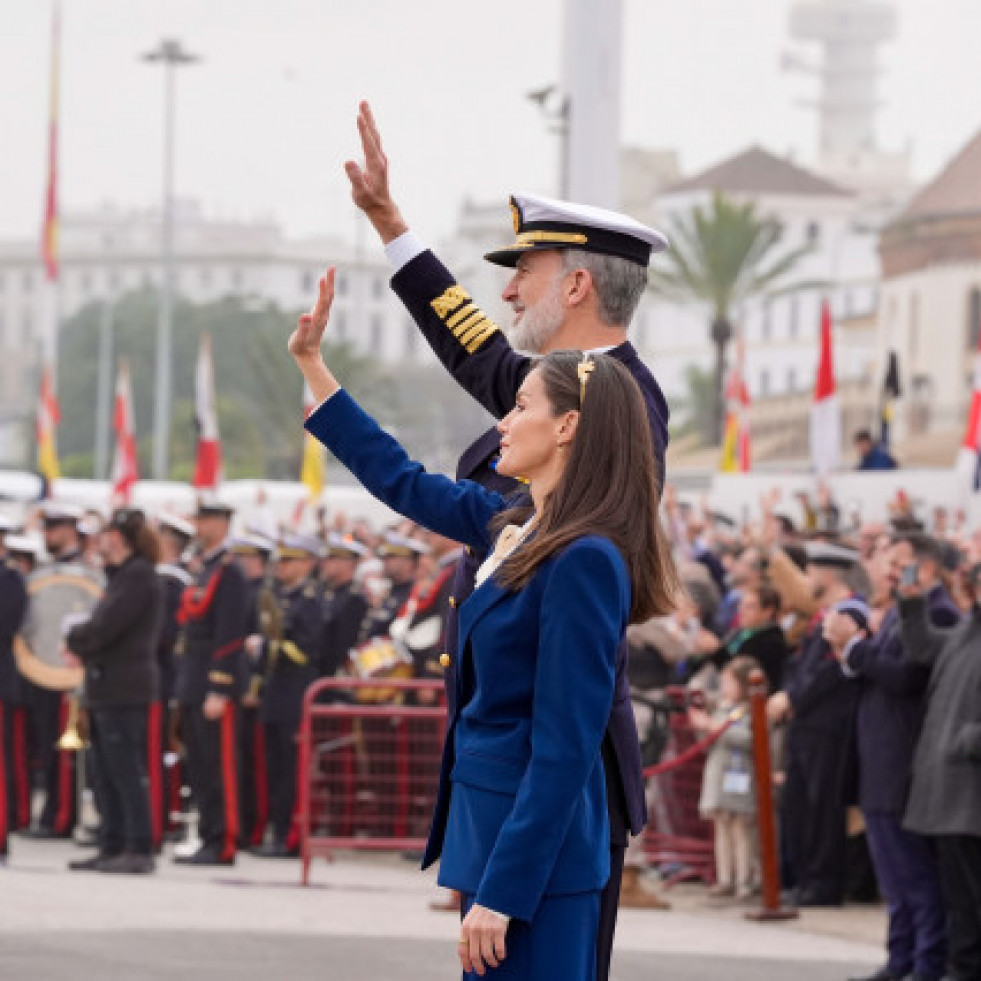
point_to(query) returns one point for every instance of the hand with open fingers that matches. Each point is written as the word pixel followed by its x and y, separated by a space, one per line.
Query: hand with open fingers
pixel 482 940
pixel 369 184
pixel 305 341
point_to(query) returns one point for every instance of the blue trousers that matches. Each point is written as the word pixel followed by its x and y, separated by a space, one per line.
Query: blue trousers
pixel 559 944
pixel 906 867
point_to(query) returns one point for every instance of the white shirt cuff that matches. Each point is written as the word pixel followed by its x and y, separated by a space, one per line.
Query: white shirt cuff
pixel 402 250
pixel 846 669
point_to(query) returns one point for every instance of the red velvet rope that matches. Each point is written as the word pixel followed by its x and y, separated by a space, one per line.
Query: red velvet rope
pixel 692 752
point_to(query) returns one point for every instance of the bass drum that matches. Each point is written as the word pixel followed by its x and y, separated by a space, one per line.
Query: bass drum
pixel 379 658
pixel 59 597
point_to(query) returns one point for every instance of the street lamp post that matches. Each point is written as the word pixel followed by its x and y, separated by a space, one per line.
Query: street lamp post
pixel 554 106
pixel 171 55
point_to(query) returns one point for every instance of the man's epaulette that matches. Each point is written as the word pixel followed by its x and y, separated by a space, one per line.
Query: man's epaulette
pixel 463 318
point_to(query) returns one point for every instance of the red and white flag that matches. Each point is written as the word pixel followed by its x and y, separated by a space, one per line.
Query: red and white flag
pixel 125 461
pixel 826 410
pixel 207 473
pixel 736 440
pixel 969 457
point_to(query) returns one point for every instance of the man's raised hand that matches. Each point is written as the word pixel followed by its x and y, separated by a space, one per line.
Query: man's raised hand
pixel 305 341
pixel 369 184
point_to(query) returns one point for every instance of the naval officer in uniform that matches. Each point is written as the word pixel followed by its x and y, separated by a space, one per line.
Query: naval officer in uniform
pixel 579 273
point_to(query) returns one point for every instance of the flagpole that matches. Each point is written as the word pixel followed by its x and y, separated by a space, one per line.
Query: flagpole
pixel 104 392
pixel 171 55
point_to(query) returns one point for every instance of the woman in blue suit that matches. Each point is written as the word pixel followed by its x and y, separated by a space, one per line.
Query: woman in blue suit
pixel 520 825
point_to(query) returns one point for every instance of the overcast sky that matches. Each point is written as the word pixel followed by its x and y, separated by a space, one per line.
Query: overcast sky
pixel 265 121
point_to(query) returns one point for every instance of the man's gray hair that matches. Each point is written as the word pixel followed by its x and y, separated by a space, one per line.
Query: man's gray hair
pixel 619 283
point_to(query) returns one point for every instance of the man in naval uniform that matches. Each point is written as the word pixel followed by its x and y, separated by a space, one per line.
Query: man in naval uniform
pixel 289 665
pixel 400 556
pixel 344 604
pixel 579 275
pixel 252 553
pixel 13 605
pixel 210 684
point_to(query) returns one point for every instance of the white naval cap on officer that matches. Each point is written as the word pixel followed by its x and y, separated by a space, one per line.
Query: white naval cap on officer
pixel 545 223
pixel 829 554
pixel 58 512
pixel 344 546
pixel 394 545
pixel 296 546
pixel 177 524
pixel 7 524
pixel 24 545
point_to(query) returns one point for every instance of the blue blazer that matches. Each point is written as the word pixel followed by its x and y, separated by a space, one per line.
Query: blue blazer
pixel 527 815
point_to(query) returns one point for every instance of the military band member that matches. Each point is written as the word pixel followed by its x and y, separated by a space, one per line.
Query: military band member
pixel 13 605
pixel 175 536
pixel 211 680
pixel 400 557
pixel 48 709
pixel 290 665
pixel 344 604
pixel 579 273
pixel 252 553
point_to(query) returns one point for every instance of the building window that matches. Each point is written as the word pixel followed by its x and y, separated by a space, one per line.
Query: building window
pixel 792 318
pixel 791 380
pixel 306 282
pixel 974 319
pixel 766 321
pixel 376 334
pixel 813 232
pixel 340 325
pixel 378 288
pixel 764 383
pixel 341 284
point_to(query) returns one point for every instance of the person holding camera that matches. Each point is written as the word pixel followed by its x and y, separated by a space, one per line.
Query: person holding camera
pixel 117 646
pixel 890 711
pixel 945 798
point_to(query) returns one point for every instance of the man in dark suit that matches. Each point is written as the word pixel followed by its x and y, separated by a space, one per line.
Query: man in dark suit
pixel 890 715
pixel 344 603
pixel 579 274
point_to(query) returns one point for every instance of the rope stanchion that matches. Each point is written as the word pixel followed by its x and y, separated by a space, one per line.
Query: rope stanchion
pixel 770 908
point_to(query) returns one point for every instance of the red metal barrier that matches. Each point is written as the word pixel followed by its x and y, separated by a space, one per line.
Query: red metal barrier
pixel 368 774
pixel 678 840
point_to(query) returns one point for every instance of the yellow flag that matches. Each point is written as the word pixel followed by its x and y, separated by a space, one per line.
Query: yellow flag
pixel 312 468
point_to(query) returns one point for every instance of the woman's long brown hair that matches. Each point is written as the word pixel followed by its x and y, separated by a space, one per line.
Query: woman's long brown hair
pixel 610 485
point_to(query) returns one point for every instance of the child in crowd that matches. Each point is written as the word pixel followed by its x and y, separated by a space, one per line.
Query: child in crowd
pixel 728 788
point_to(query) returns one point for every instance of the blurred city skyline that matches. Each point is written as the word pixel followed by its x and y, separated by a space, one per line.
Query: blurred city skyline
pixel 266 120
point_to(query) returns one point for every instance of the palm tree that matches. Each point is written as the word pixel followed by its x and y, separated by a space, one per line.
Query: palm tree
pixel 720 256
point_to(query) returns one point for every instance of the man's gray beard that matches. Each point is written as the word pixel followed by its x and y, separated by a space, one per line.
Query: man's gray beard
pixel 539 323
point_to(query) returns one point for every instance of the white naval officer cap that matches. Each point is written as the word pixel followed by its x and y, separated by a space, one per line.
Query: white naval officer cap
pixel 7 524
pixel 296 546
pixel 829 554
pixel 545 223
pixel 58 512
pixel 24 545
pixel 172 522
pixel 395 545
pixel 344 547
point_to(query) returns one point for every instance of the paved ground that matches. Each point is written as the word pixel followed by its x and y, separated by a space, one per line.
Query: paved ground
pixel 364 917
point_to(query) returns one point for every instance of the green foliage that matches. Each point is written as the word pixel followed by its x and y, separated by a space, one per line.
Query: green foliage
pixel 259 390
pixel 692 414
pixel 722 255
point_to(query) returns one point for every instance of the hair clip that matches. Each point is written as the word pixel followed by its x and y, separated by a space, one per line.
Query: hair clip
pixel 584 369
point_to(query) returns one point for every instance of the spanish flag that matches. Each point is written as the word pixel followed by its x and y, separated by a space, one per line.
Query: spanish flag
pixel 48 417
pixel 49 232
pixel 736 444
pixel 312 469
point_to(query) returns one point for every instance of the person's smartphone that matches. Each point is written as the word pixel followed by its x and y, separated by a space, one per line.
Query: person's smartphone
pixel 909 576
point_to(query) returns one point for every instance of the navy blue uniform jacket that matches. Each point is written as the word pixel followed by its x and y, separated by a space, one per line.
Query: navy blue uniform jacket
pixel 527 816
pixel 479 358
pixel 891 706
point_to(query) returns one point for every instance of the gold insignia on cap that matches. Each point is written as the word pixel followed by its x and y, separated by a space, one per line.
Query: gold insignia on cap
pixel 515 216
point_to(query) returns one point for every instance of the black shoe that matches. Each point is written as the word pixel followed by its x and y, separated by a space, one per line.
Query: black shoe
pixel 128 864
pixel 93 864
pixel 813 897
pixel 883 974
pixel 205 855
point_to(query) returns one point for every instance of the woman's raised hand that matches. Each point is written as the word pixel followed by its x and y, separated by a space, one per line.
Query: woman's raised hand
pixel 304 343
